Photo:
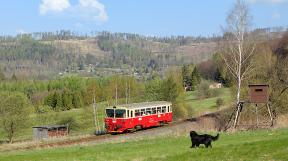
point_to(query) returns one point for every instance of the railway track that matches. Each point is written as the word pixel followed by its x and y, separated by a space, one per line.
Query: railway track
pixel 174 128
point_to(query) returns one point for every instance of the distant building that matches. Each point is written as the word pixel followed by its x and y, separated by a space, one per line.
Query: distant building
pixel 49 131
pixel 215 86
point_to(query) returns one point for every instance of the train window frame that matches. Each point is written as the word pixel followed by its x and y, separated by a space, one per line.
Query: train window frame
pixel 163 109
pixel 142 112
pixel 154 110
pixel 137 113
pixel 159 109
pixel 148 111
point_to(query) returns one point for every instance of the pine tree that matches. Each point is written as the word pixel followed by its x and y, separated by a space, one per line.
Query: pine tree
pixel 218 76
pixel 77 100
pixel 67 100
pixel 186 72
pixel 50 101
pixel 59 101
pixel 195 78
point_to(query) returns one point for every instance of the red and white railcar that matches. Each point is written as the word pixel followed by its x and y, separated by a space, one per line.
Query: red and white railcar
pixel 131 117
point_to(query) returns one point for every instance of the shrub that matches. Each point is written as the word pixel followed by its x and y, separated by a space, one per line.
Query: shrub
pixel 205 92
pixel 70 121
pixel 219 102
pixel 43 109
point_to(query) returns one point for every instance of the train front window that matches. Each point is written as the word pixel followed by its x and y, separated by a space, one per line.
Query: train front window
pixel 117 113
pixel 120 113
pixel 110 112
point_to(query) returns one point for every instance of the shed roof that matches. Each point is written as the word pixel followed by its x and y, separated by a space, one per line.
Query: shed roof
pixel 144 105
pixel 50 126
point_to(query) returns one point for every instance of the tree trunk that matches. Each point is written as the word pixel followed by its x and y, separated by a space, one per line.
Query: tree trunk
pixel 11 133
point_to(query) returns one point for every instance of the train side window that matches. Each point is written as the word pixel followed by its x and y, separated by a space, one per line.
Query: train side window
pixel 148 111
pixel 168 109
pixel 154 110
pixel 158 109
pixel 137 113
pixel 128 113
pixel 131 114
pixel 164 109
pixel 142 112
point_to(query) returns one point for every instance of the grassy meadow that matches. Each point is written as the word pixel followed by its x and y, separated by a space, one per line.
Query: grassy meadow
pixel 207 104
pixel 82 119
pixel 253 145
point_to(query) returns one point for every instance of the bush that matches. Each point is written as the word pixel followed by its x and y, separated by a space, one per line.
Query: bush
pixel 181 110
pixel 70 121
pixel 205 92
pixel 219 102
pixel 43 109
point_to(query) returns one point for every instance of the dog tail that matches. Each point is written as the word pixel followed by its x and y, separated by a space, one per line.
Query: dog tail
pixel 216 137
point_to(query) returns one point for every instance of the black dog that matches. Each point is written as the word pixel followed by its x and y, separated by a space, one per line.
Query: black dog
pixel 205 139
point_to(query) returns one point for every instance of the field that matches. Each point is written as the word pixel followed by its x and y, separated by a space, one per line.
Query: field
pixel 82 119
pixel 253 145
pixel 208 104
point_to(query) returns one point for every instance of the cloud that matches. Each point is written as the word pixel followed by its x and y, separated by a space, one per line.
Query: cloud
pixel 268 1
pixel 53 6
pixel 91 10
pixel 276 16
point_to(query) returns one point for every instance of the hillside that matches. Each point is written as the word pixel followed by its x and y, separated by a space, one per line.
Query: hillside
pixel 44 55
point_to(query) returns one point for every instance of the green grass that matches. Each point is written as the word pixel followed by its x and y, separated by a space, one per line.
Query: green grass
pixel 208 104
pixel 83 118
pixel 83 121
pixel 253 145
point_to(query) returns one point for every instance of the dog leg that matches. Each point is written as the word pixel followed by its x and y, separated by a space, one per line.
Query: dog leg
pixel 210 144
pixel 192 146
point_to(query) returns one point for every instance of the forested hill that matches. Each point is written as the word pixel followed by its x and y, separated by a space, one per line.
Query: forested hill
pixel 48 54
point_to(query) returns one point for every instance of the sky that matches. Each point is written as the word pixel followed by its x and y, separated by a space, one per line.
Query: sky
pixel 145 17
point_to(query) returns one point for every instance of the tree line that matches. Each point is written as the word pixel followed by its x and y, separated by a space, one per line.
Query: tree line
pixel 22 98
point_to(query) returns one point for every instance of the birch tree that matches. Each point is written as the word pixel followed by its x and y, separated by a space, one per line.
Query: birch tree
pixel 238 46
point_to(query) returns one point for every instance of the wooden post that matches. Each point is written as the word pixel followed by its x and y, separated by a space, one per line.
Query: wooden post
pixel 257 117
pixel 270 114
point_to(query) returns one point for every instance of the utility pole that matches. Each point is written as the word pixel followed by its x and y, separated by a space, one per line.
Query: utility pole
pixel 116 94
pixel 126 93
pixel 94 113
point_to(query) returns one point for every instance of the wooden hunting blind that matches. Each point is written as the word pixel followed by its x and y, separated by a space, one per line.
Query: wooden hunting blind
pixel 257 105
pixel 259 93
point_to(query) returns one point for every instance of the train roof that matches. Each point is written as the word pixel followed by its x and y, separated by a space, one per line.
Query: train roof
pixel 144 105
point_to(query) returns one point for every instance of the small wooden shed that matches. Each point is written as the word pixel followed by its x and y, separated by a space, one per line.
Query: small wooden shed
pixel 49 131
pixel 259 93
